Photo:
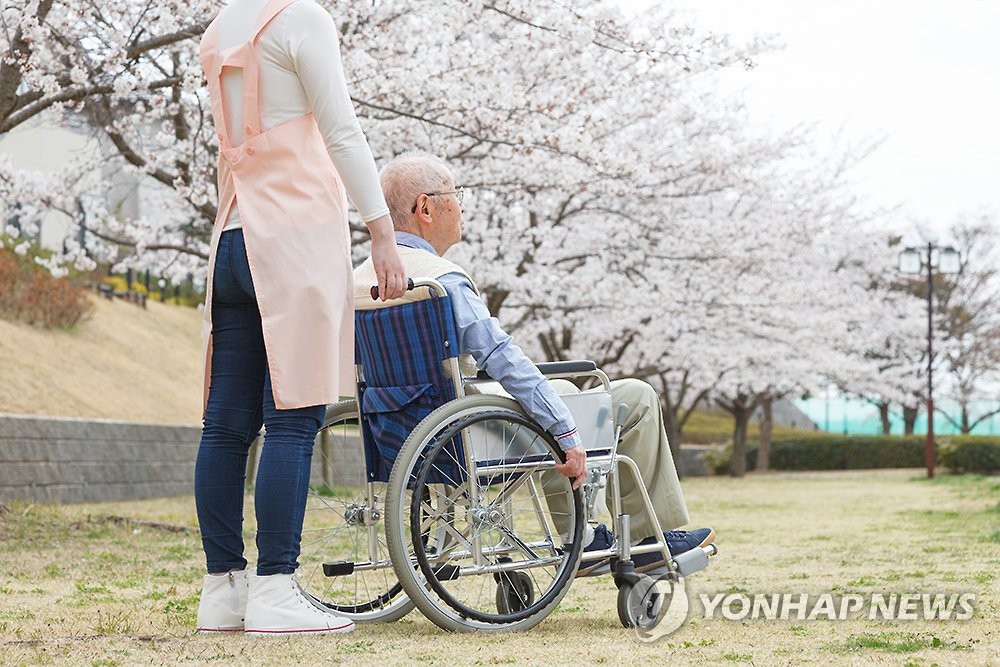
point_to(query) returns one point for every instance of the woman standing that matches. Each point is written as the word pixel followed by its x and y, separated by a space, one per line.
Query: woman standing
pixel 279 326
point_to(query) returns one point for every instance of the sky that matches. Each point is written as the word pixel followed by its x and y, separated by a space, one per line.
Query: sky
pixel 923 75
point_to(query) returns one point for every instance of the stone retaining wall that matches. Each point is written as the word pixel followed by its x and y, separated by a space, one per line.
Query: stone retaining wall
pixel 62 460
pixel 52 459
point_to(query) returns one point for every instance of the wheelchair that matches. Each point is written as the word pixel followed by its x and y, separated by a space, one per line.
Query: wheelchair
pixel 426 492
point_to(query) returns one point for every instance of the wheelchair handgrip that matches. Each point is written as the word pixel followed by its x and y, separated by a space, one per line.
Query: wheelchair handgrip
pixel 374 292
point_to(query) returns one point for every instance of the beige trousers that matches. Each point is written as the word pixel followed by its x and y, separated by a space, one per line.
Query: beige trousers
pixel 644 440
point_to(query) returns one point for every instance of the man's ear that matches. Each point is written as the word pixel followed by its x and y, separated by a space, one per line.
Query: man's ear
pixel 424 218
pixel 424 211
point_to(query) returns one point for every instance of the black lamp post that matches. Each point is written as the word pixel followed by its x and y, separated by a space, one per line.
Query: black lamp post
pixel 913 260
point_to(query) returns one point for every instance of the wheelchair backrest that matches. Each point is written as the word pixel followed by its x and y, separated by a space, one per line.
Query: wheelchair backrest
pixel 401 352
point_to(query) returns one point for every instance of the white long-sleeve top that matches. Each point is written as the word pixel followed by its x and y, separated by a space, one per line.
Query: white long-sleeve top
pixel 300 72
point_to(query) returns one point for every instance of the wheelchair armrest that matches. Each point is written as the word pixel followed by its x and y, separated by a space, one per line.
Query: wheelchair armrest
pixel 556 368
pixel 560 367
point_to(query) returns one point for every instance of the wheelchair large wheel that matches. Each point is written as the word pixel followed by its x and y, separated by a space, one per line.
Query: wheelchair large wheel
pixel 487 545
pixel 344 563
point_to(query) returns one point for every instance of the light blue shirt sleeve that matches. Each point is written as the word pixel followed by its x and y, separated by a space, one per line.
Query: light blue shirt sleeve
pixel 495 352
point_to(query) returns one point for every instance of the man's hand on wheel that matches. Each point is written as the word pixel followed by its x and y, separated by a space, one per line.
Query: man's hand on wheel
pixel 575 466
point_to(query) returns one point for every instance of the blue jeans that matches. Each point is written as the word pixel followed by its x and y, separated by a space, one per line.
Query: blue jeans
pixel 239 403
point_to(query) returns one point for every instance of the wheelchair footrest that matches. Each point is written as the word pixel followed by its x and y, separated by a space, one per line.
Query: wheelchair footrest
pixel 340 568
pixel 696 559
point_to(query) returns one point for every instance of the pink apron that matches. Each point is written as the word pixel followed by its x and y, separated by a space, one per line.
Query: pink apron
pixel 294 214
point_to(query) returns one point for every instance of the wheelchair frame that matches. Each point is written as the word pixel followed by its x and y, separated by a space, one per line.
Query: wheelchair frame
pixel 639 600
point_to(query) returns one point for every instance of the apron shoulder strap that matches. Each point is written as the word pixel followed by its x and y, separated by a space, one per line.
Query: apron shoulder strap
pixel 209 45
pixel 271 10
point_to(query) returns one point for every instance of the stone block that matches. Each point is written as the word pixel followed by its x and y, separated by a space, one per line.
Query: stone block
pixel 692 461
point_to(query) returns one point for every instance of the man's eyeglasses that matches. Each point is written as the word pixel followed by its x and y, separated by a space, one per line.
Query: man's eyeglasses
pixel 459 193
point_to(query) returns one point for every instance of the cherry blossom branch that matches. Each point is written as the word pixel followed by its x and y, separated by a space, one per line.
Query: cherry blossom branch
pixel 28 111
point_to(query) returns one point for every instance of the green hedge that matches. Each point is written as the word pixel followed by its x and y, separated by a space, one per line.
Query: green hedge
pixel 960 454
pixel 980 454
pixel 835 452
pixel 839 452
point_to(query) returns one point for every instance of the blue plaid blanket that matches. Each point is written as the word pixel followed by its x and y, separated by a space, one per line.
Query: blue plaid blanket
pixel 401 351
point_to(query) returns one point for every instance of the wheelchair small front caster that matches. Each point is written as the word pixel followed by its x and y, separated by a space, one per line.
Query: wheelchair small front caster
pixel 514 592
pixel 640 603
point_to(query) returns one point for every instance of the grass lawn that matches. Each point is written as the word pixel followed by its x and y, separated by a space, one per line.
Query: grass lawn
pixel 118 584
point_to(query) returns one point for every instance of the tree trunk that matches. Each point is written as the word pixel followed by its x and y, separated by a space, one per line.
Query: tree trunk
pixel 909 419
pixel 883 413
pixel 738 462
pixel 672 425
pixel 766 428
pixel 965 419
pixel 741 407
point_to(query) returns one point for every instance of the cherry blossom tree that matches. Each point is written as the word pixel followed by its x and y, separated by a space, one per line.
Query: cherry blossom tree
pixel 811 308
pixel 127 72
pixel 896 346
pixel 574 80
pixel 970 320
pixel 620 208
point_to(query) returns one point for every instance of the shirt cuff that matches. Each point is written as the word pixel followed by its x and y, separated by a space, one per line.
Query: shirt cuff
pixel 569 440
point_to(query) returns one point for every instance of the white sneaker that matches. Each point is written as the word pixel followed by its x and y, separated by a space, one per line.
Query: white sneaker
pixel 277 606
pixel 223 602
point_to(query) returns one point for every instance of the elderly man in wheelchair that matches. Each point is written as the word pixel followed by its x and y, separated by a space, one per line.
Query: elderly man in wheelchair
pixel 472 492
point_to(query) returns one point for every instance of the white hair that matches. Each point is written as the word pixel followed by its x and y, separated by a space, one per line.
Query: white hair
pixel 406 177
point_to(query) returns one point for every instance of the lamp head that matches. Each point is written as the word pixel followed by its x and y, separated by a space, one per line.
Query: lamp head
pixel 910 260
pixel 949 260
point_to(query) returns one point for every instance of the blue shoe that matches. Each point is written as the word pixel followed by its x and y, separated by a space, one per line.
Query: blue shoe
pixel 603 539
pixel 678 541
